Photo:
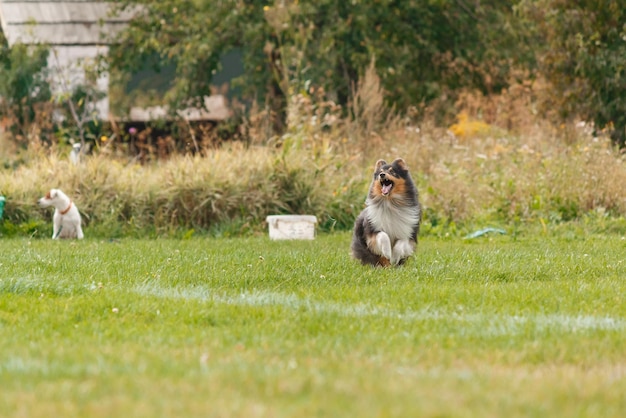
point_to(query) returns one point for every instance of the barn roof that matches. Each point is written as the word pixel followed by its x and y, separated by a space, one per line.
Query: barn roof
pixel 67 22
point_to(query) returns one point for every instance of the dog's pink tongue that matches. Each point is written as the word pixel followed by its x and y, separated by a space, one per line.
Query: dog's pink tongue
pixel 386 188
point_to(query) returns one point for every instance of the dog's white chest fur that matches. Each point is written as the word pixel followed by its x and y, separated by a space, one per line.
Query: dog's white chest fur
pixel 397 221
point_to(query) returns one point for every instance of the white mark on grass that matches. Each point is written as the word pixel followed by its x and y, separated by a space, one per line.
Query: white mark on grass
pixel 484 323
pixel 42 284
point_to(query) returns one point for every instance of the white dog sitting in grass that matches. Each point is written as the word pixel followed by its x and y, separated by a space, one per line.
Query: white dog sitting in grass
pixel 66 216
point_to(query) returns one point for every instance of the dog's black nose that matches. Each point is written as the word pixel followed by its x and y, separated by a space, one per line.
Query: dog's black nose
pixel 382 175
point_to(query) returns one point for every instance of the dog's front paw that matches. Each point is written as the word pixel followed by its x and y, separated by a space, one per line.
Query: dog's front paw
pixel 383 244
pixel 402 250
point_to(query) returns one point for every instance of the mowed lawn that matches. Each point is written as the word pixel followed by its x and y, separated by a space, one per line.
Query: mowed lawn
pixel 503 326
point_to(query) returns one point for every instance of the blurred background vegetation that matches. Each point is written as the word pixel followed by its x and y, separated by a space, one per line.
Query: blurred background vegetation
pixel 426 52
pixel 508 111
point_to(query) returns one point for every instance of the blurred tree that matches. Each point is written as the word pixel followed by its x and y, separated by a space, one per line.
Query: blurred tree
pixel 23 84
pixel 581 50
pixel 191 36
pixel 423 49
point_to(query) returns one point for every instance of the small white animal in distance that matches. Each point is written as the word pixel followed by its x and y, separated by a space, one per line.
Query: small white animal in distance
pixel 75 153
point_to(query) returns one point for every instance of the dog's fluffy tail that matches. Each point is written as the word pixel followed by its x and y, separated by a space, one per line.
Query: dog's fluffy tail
pixel 359 243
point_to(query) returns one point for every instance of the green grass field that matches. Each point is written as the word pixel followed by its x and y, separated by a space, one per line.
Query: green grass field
pixel 524 325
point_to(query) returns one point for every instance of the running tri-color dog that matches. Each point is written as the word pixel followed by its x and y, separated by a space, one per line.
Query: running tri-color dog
pixel 66 219
pixel 385 233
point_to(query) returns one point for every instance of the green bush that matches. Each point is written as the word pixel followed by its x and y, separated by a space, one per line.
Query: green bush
pixel 23 86
pixel 581 50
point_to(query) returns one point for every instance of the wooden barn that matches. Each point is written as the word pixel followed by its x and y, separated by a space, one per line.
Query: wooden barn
pixel 78 31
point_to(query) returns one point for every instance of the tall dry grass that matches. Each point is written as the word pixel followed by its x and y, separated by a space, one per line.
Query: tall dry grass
pixel 508 173
pixel 225 191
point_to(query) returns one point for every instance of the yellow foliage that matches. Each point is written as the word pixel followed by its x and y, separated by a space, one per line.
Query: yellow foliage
pixel 466 128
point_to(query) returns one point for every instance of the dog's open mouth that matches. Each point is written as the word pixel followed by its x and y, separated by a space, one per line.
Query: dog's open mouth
pixel 386 186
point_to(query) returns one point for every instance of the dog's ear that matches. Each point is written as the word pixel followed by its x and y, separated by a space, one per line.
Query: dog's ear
pixel 379 164
pixel 399 162
pixel 51 193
